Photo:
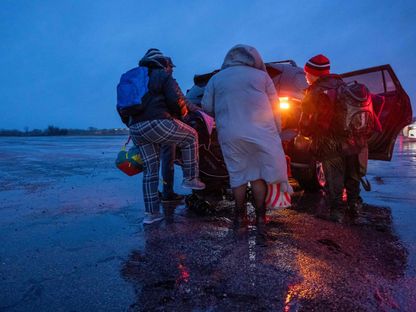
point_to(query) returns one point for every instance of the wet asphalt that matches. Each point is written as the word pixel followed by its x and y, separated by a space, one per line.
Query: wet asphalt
pixel 72 240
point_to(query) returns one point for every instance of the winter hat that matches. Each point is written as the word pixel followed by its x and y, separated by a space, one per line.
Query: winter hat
pixel 318 65
pixel 153 54
pixel 156 56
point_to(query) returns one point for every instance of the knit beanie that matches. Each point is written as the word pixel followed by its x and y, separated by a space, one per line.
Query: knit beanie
pixel 153 54
pixel 156 56
pixel 318 65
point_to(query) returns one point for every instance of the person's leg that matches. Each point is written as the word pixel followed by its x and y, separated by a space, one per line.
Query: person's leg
pixel 149 153
pixel 240 213
pixel 188 143
pixel 143 137
pixel 334 169
pixel 187 139
pixel 167 156
pixel 352 183
pixel 259 189
pixel 173 131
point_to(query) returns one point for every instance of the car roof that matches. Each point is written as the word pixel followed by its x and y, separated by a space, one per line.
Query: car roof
pixel 291 81
pixel 288 78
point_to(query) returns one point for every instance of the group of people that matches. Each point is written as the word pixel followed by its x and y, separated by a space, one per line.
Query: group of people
pixel 243 100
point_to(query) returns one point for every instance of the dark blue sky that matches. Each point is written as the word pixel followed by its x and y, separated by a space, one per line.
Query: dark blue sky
pixel 61 60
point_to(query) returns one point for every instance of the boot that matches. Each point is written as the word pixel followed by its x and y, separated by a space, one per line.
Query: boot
pixel 335 215
pixel 240 217
pixel 356 214
pixel 261 237
pixel 354 210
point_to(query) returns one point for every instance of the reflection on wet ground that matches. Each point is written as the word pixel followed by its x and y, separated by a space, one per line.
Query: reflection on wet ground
pixel 72 240
pixel 308 264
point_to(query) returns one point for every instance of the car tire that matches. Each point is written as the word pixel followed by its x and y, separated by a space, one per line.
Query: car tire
pixel 311 178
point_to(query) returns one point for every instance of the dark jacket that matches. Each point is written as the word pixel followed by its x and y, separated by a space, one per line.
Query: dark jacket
pixel 164 100
pixel 322 119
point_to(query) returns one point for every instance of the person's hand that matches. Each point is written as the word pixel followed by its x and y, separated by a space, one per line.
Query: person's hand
pixel 186 117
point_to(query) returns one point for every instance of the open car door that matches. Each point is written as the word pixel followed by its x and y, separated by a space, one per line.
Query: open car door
pixel 391 104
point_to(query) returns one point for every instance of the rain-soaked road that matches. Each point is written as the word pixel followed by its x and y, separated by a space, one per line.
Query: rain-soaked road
pixel 71 240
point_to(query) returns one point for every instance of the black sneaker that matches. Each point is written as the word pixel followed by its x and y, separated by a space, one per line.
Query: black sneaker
pixel 171 198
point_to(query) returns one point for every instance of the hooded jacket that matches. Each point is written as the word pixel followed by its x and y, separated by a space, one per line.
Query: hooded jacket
pixel 243 68
pixel 243 99
pixel 164 100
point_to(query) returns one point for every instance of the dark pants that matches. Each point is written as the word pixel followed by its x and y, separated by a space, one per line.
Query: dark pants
pixel 167 156
pixel 340 172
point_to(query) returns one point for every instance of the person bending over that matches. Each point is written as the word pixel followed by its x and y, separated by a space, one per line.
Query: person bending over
pixel 159 123
pixel 243 100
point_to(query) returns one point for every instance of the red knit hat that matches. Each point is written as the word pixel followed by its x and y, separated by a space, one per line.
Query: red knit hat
pixel 318 65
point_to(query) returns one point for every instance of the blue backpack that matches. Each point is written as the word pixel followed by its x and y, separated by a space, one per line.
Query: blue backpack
pixel 132 87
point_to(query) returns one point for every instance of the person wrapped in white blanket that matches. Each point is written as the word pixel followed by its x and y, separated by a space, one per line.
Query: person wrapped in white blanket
pixel 243 100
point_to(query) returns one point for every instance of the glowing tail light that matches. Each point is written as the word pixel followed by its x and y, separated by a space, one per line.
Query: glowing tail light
pixel 284 102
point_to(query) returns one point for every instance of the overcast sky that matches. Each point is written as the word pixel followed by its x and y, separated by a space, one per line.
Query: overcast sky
pixel 61 60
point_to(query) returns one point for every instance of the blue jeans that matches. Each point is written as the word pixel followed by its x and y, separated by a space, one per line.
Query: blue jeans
pixel 167 156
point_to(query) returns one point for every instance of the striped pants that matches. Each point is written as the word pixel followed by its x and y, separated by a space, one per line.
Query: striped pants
pixel 149 136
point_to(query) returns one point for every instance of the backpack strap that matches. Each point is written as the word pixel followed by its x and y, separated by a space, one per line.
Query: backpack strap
pixel 332 94
pixel 365 183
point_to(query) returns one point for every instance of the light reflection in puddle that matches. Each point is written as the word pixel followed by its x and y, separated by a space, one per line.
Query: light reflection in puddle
pixel 314 270
pixel 406 145
pixel 182 281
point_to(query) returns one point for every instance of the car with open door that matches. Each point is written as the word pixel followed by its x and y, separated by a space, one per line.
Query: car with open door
pixel 409 131
pixel 391 104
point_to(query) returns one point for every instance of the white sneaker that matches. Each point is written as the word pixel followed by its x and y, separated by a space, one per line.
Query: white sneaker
pixel 150 218
pixel 195 184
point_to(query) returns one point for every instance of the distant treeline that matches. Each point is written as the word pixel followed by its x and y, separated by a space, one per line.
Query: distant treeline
pixel 56 131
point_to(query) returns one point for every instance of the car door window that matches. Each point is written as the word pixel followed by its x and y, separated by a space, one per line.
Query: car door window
pixel 391 105
pixel 378 82
pixel 390 86
pixel 373 81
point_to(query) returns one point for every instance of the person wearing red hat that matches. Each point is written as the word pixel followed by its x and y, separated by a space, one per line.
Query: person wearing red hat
pixel 320 120
pixel 316 67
